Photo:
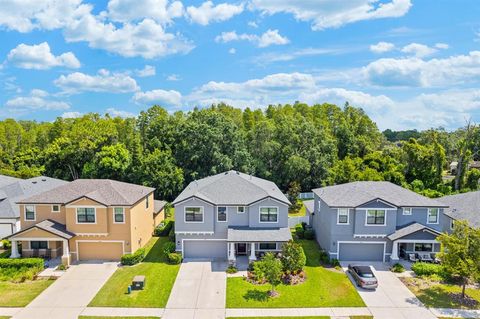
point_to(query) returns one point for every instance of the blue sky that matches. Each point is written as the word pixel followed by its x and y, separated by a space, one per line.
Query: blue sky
pixel 407 63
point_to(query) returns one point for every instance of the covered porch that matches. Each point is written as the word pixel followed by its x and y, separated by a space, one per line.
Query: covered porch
pixel 255 242
pixel 47 239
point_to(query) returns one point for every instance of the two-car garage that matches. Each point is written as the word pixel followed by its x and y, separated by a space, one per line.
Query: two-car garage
pixel 100 250
pixel 361 251
pixel 207 249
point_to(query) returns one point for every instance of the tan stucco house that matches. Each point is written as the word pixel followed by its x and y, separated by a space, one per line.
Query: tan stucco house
pixel 87 219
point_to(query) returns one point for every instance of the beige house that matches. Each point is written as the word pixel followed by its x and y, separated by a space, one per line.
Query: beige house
pixel 87 219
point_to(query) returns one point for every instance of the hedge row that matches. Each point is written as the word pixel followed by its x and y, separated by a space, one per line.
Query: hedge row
pixel 427 269
pixel 164 228
pixel 21 263
pixel 133 259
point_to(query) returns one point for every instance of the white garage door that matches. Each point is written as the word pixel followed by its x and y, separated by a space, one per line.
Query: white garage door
pixel 360 251
pixel 208 249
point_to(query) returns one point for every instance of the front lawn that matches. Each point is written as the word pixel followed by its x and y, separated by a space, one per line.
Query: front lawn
pixel 438 295
pixel 159 279
pixel 323 288
pixel 21 294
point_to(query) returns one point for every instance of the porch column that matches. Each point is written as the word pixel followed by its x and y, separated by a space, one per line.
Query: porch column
pixel 231 254
pixel 66 253
pixel 252 252
pixel 394 255
pixel 14 253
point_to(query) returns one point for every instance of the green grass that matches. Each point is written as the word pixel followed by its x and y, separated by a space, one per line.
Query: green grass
pixel 21 294
pixel 301 212
pixel 438 295
pixel 308 317
pixel 96 317
pixel 323 288
pixel 159 279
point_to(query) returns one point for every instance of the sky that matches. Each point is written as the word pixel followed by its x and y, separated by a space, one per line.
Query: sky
pixel 410 64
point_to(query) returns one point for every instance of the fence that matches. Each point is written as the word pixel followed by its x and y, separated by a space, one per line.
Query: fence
pixel 292 221
pixel 305 196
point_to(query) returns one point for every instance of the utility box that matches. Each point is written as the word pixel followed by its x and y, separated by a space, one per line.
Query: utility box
pixel 138 283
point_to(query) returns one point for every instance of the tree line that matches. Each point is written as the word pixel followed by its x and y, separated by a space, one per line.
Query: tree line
pixel 295 145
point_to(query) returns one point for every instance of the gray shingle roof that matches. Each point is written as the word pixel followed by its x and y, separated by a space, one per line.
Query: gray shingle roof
pixel 105 191
pixel 18 189
pixel 357 193
pixel 158 205
pixel 464 206
pixel 232 188
pixel 50 226
pixel 309 205
pixel 410 229
pixel 247 234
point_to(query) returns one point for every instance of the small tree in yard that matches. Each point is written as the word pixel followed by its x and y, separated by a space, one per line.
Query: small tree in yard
pixel 461 253
pixel 273 271
pixel 293 192
pixel 293 257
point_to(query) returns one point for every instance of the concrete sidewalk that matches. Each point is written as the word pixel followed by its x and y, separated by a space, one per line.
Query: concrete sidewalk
pixel 455 313
pixel 300 312
pixel 122 312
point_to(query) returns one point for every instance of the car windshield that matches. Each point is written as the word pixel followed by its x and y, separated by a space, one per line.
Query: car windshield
pixel 365 272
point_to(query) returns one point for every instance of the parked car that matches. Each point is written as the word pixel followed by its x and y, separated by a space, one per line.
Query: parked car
pixel 363 276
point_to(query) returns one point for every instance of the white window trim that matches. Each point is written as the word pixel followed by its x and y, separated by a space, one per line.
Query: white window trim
pixel 452 223
pixel 276 246
pixel 76 215
pixel 438 216
pixel 56 211
pixel 243 209
pixel 375 225
pixel 193 222
pixel 338 216
pixel 123 213
pixel 319 206
pixel 34 213
pixel 226 215
pixel 260 213
pixel 404 211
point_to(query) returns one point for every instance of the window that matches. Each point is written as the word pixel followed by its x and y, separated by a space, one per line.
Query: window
pixel 147 201
pixel 432 216
pixel 268 214
pixel 221 214
pixel 55 208
pixel 118 215
pixel 375 217
pixel 29 212
pixel 86 215
pixel 193 214
pixel 423 247
pixel 407 211
pixel 241 209
pixel 342 216
pixel 452 223
pixel 38 245
pixel 268 246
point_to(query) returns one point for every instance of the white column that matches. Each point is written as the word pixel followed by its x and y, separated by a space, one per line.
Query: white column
pixel 66 251
pixel 231 255
pixel 14 253
pixel 252 252
pixel 394 255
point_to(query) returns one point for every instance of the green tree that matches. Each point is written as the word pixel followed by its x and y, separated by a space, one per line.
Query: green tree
pixel 473 177
pixel 112 162
pixel 293 257
pixel 293 193
pixel 273 271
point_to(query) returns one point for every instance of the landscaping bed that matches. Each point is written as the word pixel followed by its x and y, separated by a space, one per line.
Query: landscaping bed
pixel 159 274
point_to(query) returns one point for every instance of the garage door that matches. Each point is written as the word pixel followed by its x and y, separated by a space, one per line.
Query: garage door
pixel 100 250
pixel 204 249
pixel 360 252
pixel 5 230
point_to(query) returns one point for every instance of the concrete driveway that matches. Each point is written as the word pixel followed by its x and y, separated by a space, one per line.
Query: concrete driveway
pixel 392 299
pixel 199 291
pixel 70 294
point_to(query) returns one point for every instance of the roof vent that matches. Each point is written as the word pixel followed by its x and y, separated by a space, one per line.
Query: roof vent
pixel 44 179
pixel 238 173
pixel 34 182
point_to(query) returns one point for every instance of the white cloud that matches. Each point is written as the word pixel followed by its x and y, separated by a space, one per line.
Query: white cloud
pixel 104 81
pixel 382 47
pixel 252 24
pixel 37 100
pixel 161 97
pixel 173 77
pixel 40 57
pixel 418 50
pixel 71 115
pixel 119 113
pixel 207 12
pixel 147 71
pixel 161 11
pixel 443 46
pixel 334 13
pixel 295 54
pixel 270 37
pixel 415 72
pixel 232 51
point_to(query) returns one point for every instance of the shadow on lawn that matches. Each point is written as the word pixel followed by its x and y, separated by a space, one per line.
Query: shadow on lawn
pixel 256 295
pixel 155 253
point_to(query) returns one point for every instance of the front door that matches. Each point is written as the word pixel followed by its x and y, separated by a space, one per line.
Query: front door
pixel 241 249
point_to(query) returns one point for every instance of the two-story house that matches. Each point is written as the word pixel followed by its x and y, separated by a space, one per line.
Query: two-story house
pixel 465 206
pixel 87 219
pixel 376 221
pixel 230 214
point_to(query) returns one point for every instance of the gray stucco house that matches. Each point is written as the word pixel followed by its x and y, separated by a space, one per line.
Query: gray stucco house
pixel 376 221
pixel 229 215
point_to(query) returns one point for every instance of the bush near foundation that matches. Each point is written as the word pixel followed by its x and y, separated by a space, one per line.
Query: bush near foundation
pixel 133 259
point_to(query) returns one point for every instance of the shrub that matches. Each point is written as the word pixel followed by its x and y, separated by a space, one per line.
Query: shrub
pixel 335 262
pixel 6 244
pixel 397 268
pixel 231 270
pixel 133 259
pixel 62 267
pixel 299 231
pixel 21 263
pixel 171 234
pixel 21 269
pixel 293 257
pixel 304 225
pixel 164 228
pixel 259 271
pixel 168 248
pixel 324 257
pixel 174 258
pixel 309 234
pixel 427 269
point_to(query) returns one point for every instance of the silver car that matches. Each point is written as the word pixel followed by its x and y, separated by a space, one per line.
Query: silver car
pixel 363 276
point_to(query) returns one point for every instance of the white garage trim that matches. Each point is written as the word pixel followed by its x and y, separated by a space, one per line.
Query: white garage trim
pixel 198 239
pixel 98 241
pixel 362 242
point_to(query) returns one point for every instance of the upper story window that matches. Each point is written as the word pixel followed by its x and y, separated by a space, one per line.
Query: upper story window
pixel 376 217
pixel 147 201
pixel 407 211
pixel 55 208
pixel 194 214
pixel 119 215
pixel 342 216
pixel 268 214
pixel 221 214
pixel 29 212
pixel 432 217
pixel 241 209
pixel 85 215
